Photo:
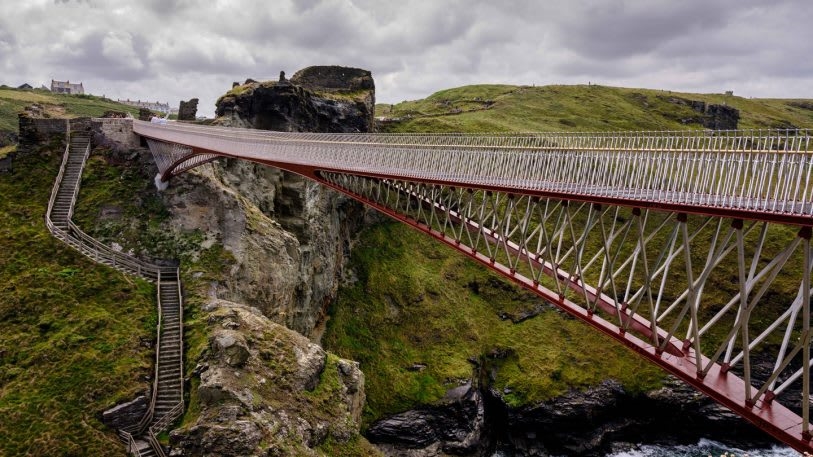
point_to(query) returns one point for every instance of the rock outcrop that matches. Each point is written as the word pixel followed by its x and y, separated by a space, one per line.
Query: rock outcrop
pixel 456 426
pixel 188 110
pixel 579 423
pixel 316 99
pixel 711 116
pixel 266 390
pixel 289 237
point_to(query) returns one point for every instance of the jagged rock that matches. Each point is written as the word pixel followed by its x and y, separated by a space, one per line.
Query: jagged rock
pixel 287 397
pixel 232 346
pixel 316 99
pixel 588 423
pixel 721 117
pixel 712 116
pixel 265 216
pixel 456 426
pixel 126 414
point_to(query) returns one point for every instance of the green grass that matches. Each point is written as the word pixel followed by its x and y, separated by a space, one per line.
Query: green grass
pixel 418 302
pixel 6 150
pixel 70 330
pixel 502 108
pixel 14 101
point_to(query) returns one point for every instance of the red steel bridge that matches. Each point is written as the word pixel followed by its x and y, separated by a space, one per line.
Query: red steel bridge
pixel 690 248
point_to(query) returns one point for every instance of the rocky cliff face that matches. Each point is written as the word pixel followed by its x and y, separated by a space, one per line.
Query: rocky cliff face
pixel 266 390
pixel 289 236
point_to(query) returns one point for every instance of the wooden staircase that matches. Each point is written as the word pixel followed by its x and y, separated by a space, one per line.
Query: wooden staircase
pixel 167 402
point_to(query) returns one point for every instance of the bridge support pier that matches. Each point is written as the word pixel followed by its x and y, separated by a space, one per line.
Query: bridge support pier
pixel 160 184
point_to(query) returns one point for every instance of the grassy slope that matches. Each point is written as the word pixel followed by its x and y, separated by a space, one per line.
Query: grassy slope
pixel 583 108
pixel 417 302
pixel 13 101
pixel 70 330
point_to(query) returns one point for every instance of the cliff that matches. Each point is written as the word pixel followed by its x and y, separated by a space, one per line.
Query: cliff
pixel 261 387
pixel 309 226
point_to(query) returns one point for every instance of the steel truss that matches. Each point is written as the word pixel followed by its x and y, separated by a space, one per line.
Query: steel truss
pixel 641 276
pixel 685 247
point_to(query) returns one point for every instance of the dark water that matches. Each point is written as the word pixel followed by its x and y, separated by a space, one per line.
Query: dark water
pixel 704 448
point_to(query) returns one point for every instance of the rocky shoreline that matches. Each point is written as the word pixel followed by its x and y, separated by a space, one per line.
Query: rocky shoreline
pixel 477 421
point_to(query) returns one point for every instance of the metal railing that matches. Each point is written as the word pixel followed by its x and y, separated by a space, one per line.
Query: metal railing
pixel 764 171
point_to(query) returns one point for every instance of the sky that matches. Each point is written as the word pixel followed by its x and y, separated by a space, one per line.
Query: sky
pixel 172 50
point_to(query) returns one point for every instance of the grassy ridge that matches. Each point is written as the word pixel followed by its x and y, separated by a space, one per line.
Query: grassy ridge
pixel 13 101
pixel 418 303
pixel 501 108
pixel 70 330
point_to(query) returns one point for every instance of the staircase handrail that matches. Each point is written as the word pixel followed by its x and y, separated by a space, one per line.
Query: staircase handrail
pixel 129 441
pixel 100 250
pixel 163 423
pixel 180 323
pixel 78 182
pixel 155 444
pixel 55 189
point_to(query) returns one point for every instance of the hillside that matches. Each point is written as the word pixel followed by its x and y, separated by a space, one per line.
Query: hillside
pixel 13 101
pixel 500 108
pixel 72 333
pixel 74 336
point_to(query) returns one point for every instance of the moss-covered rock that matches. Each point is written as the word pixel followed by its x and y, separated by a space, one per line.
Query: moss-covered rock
pixel 266 390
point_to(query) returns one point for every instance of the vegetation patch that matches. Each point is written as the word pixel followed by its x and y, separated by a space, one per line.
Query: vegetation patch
pixel 505 108
pixel 422 317
pixel 74 338
pixel 6 150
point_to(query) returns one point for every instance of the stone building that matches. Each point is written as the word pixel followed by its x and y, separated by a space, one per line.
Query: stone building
pixel 65 87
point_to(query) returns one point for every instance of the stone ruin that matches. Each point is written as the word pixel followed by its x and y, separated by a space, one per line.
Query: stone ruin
pixel 188 110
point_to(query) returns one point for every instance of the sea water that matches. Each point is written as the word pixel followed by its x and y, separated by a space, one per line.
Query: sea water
pixel 703 448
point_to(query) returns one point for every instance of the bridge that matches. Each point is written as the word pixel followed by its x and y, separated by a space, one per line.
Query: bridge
pixel 690 248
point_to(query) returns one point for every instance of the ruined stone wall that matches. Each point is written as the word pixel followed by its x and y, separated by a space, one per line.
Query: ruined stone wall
pixel 34 131
pixel 118 130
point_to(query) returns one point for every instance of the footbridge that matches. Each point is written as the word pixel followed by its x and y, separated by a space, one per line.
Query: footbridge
pixel 690 248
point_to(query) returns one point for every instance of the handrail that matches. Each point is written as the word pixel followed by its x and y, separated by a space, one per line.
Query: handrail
pixel 57 183
pixel 132 448
pixel 155 445
pixel 163 423
pixel 154 398
pixel 120 260
pixel 180 322
pixel 760 175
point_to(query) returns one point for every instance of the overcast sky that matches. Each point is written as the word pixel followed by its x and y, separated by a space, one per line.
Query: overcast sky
pixel 168 50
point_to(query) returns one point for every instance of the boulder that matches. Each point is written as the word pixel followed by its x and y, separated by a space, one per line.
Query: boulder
pixel 455 426
pixel 126 414
pixel 266 390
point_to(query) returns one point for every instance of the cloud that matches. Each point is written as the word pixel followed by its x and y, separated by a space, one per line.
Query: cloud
pixel 178 49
